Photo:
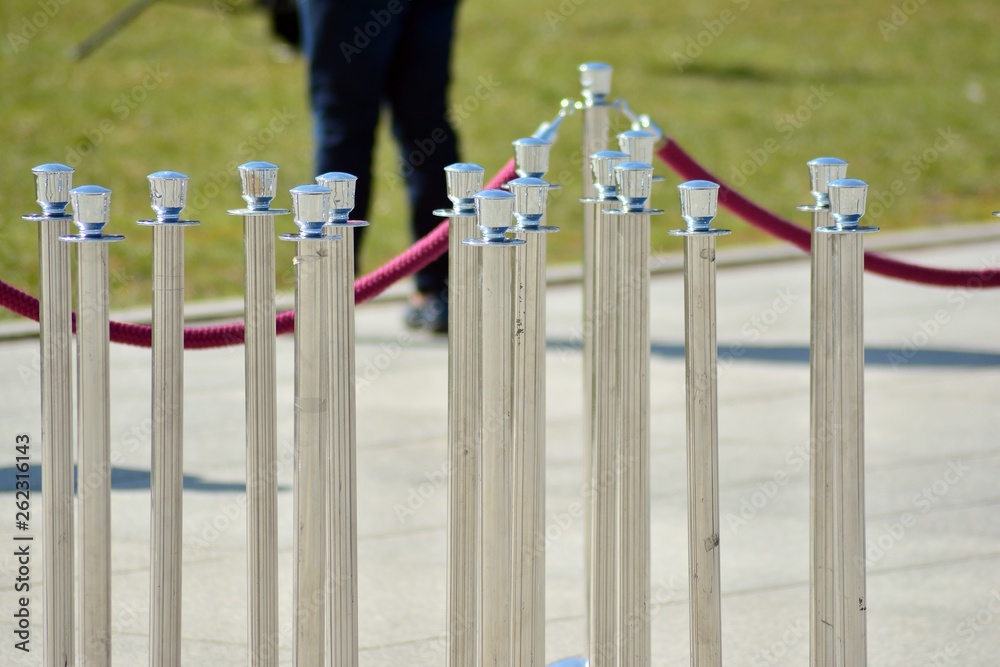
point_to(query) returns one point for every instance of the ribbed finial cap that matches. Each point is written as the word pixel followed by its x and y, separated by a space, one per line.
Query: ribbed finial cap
pixel 847 201
pixel 596 81
pixel 494 210
pixel 638 144
pixel 635 179
pixel 91 209
pixel 464 180
pixel 343 187
pixel 260 184
pixel 531 156
pixel 167 194
pixel 602 165
pixel 822 170
pixel 699 204
pixel 52 185
pixel 529 200
pixel 310 208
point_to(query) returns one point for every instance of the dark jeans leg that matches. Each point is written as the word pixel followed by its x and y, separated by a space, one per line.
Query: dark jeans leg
pixel 417 95
pixel 349 50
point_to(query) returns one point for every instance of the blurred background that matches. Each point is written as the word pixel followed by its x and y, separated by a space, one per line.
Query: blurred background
pixel 905 91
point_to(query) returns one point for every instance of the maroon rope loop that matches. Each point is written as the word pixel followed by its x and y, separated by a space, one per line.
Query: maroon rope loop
pixel 681 162
pixel 416 257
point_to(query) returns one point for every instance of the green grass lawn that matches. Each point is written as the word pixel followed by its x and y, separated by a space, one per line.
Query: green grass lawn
pixel 905 92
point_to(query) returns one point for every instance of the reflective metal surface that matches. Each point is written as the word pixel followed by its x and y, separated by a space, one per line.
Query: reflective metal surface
pixel 528 495
pixel 311 208
pixel 600 265
pixel 53 183
pixel 167 196
pixel 532 157
pixel 494 209
pixel 632 378
pixel 464 413
pixel 595 139
pixel 821 461
pixel 595 79
pixel 699 201
pixel 604 438
pixel 341 459
pixel 260 184
pixel 91 212
pixel 259 180
pixel 638 144
pixel 840 430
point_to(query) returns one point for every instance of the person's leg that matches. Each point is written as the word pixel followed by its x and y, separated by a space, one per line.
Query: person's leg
pixel 349 45
pixel 417 93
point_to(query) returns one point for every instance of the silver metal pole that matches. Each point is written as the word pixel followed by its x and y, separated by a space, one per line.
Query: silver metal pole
pixel 494 210
pixel 464 413
pixel 528 508
pixel 91 212
pixel 595 79
pixel 311 206
pixel 603 424
pixel 699 201
pixel 167 196
pixel 634 181
pixel 841 325
pixel 341 463
pixel 52 185
pixel 260 184
pixel 821 460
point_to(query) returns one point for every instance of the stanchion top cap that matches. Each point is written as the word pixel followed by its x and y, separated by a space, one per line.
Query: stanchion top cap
pixel 822 170
pixel 602 165
pixel 343 187
pixel 91 209
pixel 848 197
pixel 53 182
pixel 464 180
pixel 596 81
pixel 310 208
pixel 260 184
pixel 529 200
pixel 495 209
pixel 638 144
pixel 531 155
pixel 699 204
pixel 635 180
pixel 167 194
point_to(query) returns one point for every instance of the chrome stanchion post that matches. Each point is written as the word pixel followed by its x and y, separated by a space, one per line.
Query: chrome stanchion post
pixel 595 79
pixel 528 508
pixel 52 186
pixel 167 196
pixel 602 411
pixel 91 212
pixel 634 181
pixel 464 412
pixel 841 323
pixel 311 206
pixel 494 209
pixel 260 184
pixel 699 202
pixel 341 463
pixel 821 459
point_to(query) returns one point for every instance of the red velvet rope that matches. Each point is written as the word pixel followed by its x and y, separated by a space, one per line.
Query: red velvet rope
pixel 432 246
pixel 419 255
pixel 685 165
